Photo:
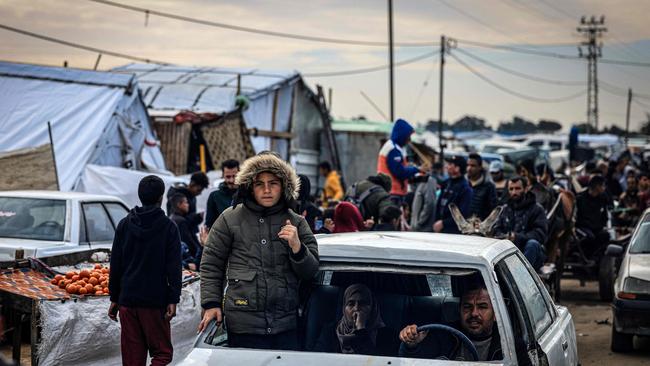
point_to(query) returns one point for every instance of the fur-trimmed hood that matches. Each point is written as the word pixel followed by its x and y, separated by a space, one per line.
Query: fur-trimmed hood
pixel 271 163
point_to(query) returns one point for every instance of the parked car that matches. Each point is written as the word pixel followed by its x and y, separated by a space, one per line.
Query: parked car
pixel 417 278
pixel 48 223
pixel 631 304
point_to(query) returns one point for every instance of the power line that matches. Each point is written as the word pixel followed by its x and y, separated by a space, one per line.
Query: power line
pixel 520 74
pixel 515 93
pixel 640 104
pixel 147 60
pixel 372 69
pixel 80 46
pixel 264 32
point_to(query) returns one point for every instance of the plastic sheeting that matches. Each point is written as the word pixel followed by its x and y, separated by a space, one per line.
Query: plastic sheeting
pixel 260 115
pixel 93 118
pixel 80 332
pixel 123 183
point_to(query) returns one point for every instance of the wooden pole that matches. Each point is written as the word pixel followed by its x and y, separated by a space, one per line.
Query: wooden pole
pixel 627 117
pixel 202 157
pixel 56 171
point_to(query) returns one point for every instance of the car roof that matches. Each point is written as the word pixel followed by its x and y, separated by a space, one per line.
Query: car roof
pixel 412 248
pixel 76 196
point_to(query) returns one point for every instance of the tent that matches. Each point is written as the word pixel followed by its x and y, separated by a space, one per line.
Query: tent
pixel 96 118
pixel 276 108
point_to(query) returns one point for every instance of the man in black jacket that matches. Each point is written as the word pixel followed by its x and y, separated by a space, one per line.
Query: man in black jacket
pixel 221 199
pixel 145 283
pixel 591 216
pixel 192 248
pixel 523 222
pixel 457 191
pixel 484 199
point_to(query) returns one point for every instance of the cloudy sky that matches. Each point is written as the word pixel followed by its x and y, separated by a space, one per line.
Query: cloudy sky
pixel 546 25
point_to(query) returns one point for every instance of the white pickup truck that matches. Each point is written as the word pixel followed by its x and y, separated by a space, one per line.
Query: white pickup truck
pixel 49 223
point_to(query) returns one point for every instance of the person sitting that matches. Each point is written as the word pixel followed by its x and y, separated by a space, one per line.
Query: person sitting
pixel 523 222
pixel 361 329
pixel 591 216
pixel 629 204
pixel 477 322
pixel 389 220
pixel 347 219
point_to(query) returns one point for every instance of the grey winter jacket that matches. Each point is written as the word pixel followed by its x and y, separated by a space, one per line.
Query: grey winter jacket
pixel 245 256
pixel 423 210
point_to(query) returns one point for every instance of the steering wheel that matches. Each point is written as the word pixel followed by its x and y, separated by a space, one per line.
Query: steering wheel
pixel 463 338
pixel 50 223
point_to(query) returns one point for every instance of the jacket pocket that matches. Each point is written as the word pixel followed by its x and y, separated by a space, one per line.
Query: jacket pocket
pixel 242 293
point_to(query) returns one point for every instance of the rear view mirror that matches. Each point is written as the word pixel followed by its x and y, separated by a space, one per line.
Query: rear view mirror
pixel 614 250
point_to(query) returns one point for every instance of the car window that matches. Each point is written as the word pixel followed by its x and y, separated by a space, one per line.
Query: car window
pixel 32 218
pixel 117 212
pixel 532 297
pixel 555 146
pixel 99 226
pixel 641 241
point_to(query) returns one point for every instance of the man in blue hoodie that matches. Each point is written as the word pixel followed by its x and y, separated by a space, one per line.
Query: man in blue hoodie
pixel 145 283
pixel 392 159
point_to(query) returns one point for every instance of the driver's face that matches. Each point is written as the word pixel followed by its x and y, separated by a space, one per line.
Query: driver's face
pixel 476 313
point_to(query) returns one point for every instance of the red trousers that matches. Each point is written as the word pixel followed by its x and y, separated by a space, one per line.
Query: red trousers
pixel 145 330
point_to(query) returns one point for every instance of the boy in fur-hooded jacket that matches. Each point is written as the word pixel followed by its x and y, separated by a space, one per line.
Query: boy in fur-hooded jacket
pixel 263 249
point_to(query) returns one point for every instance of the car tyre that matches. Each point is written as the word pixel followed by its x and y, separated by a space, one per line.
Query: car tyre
pixel 621 342
pixel 606 277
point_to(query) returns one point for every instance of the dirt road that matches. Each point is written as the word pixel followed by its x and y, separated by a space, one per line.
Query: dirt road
pixel 594 338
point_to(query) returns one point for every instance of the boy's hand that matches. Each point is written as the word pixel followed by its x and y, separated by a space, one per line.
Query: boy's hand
pixel 290 234
pixel 208 315
pixel 171 312
pixel 112 311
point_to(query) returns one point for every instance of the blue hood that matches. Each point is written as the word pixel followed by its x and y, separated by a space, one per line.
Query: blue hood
pixel 401 132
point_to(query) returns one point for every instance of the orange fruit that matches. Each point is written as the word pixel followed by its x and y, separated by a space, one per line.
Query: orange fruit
pixel 75 278
pixel 104 284
pixel 84 273
pixel 99 292
pixel 89 288
pixel 69 274
pixel 98 288
pixel 54 281
pixel 106 290
pixel 93 281
pixel 95 275
pixel 98 266
pixel 105 270
pixel 58 277
pixel 83 291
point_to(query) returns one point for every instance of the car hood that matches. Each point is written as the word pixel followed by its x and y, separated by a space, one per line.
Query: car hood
pixel 226 356
pixel 639 266
pixel 8 247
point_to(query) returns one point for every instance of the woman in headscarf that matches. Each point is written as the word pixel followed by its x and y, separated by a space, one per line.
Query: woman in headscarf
pixel 361 329
pixel 348 219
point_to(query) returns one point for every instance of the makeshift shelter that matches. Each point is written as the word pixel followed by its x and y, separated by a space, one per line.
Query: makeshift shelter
pixel 95 117
pixel 275 110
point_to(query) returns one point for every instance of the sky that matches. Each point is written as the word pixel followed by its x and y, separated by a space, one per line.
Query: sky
pixel 546 25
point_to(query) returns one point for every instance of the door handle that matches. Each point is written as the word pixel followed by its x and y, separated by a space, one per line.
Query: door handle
pixel 565 345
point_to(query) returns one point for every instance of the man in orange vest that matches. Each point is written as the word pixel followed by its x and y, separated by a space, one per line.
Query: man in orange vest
pixel 392 160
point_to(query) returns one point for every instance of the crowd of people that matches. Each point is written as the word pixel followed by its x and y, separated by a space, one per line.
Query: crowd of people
pixel 264 215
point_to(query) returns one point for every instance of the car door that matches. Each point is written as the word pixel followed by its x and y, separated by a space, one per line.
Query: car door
pixel 97 228
pixel 551 333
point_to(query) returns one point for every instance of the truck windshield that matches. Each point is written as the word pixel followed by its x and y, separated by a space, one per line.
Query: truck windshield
pixel 32 218
pixel 641 242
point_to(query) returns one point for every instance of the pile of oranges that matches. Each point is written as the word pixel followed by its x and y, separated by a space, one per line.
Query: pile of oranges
pixel 85 282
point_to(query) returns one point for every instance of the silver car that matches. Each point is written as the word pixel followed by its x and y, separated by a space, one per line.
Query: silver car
pixel 50 223
pixel 631 304
pixel 417 279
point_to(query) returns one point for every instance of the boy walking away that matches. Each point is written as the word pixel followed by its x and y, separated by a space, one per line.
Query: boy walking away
pixel 145 283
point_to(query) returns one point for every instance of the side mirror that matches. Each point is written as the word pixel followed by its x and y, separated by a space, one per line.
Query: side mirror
pixel 614 250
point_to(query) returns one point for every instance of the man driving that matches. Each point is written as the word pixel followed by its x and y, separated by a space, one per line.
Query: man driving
pixel 477 322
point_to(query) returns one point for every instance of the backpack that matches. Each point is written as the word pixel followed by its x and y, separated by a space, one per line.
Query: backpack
pixel 353 197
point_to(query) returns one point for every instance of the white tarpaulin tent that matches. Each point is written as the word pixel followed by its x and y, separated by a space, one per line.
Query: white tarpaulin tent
pixel 96 117
pixel 278 100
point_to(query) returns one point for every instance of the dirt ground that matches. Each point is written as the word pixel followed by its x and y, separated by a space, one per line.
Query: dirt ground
pixel 594 338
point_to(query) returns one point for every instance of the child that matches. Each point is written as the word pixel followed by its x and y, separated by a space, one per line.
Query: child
pixel 145 283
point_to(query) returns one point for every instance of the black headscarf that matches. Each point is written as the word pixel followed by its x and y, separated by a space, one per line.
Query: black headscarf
pixel 345 329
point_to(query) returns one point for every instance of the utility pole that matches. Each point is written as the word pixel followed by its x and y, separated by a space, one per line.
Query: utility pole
pixel 627 116
pixel 592 29
pixel 446 44
pixel 390 60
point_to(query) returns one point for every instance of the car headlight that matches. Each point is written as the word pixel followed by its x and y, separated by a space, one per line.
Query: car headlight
pixel 633 287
